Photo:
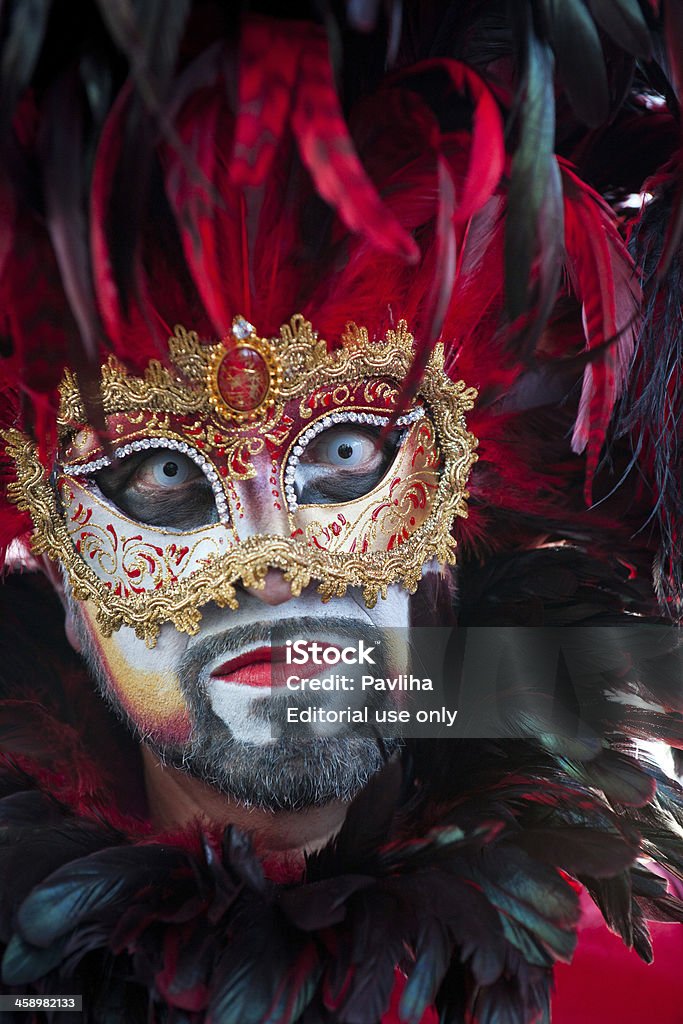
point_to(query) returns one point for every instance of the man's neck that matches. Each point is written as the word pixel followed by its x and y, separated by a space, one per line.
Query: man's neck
pixel 177 800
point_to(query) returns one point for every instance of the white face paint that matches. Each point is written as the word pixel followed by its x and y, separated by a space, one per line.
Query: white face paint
pixel 234 694
pixel 212 722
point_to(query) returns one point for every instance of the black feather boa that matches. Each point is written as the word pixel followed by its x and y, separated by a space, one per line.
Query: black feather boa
pixel 459 864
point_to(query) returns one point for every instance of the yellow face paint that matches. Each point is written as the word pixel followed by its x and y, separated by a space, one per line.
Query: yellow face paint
pixel 145 683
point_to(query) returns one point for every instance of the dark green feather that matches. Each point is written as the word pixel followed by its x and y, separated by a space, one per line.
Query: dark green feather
pixel 623 21
pixel 530 173
pixel 580 59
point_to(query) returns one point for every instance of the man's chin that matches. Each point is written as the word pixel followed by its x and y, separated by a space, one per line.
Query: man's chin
pixel 285 775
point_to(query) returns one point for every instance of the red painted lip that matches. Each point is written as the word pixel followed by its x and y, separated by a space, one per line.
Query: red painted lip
pixel 261 667
pixel 265 666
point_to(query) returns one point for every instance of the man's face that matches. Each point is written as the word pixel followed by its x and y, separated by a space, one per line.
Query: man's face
pixel 205 703
pixel 205 485
pixel 162 530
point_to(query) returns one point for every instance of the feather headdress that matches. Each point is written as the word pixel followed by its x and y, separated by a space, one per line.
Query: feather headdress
pixel 187 167
pixel 447 165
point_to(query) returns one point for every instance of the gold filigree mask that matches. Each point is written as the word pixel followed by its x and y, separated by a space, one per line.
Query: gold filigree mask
pixel 250 454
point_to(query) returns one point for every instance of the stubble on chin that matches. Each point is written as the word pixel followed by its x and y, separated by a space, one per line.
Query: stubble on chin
pixel 282 774
pixel 285 774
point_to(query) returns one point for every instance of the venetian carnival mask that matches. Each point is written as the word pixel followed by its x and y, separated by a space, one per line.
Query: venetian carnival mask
pixel 250 454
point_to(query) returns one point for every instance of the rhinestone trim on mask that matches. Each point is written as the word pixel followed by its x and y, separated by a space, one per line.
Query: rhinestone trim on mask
pixel 89 468
pixel 310 370
pixel 325 423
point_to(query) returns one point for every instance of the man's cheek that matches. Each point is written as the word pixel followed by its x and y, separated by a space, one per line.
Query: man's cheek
pixel 144 682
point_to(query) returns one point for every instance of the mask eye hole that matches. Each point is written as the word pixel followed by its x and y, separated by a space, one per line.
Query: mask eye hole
pixel 158 486
pixel 341 464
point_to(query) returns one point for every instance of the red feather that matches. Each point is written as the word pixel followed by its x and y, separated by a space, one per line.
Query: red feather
pixel 135 336
pixel 433 303
pixel 213 232
pixel 34 306
pixel 327 151
pixel 487 148
pixel 163 294
pixel 269 56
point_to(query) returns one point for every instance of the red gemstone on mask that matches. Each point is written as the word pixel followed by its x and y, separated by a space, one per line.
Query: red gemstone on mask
pixel 243 379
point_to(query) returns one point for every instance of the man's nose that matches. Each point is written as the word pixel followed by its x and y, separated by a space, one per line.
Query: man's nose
pixel 276 589
pixel 258 505
pixel 263 510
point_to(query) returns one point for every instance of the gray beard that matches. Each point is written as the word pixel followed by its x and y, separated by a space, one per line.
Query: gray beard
pixel 288 774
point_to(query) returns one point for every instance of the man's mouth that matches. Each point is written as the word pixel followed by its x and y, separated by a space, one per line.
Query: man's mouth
pixel 262 666
pixel 266 666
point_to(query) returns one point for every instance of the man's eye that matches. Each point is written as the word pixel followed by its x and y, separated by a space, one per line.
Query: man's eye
pixel 163 488
pixel 346 449
pixel 343 463
pixel 166 470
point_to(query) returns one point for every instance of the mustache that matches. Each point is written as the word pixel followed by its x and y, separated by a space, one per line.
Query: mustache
pixel 235 639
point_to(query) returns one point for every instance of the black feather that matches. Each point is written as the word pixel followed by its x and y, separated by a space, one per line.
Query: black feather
pixel 366 824
pixel 24 26
pixel 66 189
pixel 580 58
pixel 623 20
pixel 98 885
pixel 23 962
pixel 531 185
pixel 433 949
pixel 251 976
